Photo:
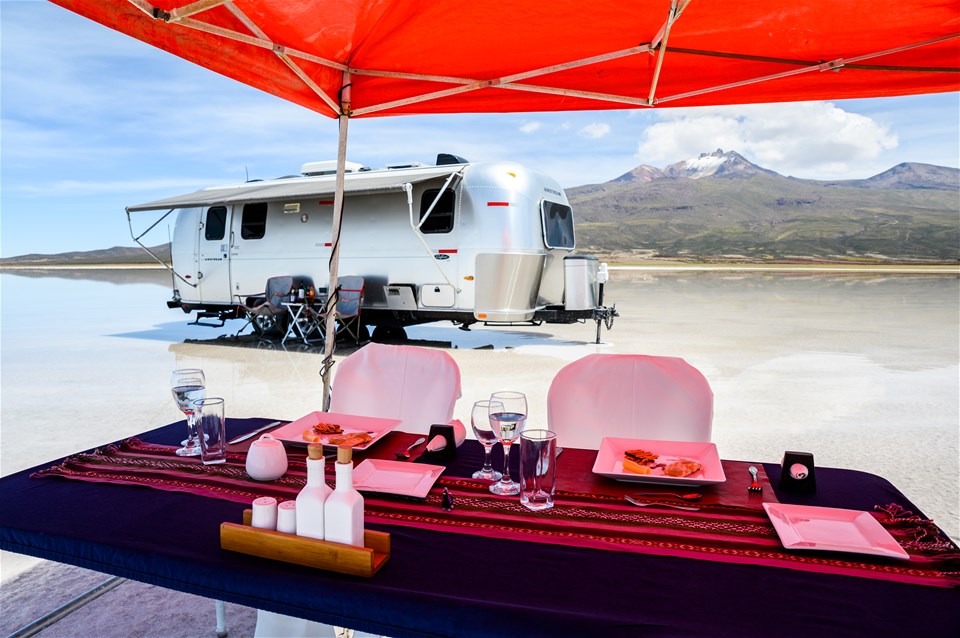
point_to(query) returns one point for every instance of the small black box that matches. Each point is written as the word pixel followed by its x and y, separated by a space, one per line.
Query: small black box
pixel 797 473
pixel 448 452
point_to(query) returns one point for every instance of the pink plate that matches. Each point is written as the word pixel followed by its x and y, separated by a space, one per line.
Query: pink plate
pixel 609 461
pixel 292 433
pixel 831 529
pixel 396 477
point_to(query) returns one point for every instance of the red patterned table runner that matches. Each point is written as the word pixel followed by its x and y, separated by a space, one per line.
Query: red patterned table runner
pixel 717 531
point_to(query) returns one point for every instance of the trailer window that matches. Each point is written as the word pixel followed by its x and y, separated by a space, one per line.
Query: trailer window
pixel 216 224
pixel 557 225
pixel 441 217
pixel 254 222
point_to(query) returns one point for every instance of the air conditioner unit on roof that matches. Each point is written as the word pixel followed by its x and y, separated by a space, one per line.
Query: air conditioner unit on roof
pixel 328 167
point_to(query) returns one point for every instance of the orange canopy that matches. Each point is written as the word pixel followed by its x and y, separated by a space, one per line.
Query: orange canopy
pixel 443 56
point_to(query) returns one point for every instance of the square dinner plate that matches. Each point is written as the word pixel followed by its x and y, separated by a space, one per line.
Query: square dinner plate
pixel 396 477
pixel 832 529
pixel 609 461
pixel 292 433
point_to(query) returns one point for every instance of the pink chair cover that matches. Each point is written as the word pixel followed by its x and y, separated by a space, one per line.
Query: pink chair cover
pixel 419 386
pixel 630 396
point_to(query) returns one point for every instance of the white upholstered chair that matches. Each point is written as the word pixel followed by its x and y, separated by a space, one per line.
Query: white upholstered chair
pixel 630 396
pixel 419 386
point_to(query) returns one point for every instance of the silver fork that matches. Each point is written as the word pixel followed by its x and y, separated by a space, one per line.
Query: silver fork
pixel 693 496
pixel 755 486
pixel 630 499
pixel 405 454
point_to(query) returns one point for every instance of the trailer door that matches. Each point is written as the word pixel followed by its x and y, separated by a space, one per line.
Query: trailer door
pixel 213 253
pixel 438 227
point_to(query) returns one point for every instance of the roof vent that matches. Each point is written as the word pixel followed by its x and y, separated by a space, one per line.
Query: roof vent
pixel 445 159
pixel 407 165
pixel 329 167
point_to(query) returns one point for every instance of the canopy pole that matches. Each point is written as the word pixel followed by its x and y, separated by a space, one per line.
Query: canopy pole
pixel 333 292
pixel 662 50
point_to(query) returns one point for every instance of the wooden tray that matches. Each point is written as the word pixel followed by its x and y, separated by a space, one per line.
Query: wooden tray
pixel 300 550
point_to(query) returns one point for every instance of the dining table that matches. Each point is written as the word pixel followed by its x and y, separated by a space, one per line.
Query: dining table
pixel 467 563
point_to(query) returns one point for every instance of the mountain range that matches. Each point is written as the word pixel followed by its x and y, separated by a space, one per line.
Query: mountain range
pixel 721 207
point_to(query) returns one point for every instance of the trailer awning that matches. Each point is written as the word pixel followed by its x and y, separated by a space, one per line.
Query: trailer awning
pixel 295 188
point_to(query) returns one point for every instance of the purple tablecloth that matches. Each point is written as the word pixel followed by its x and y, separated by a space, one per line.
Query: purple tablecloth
pixel 439 584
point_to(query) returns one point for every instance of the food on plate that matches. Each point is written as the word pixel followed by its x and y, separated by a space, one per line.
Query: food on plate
pixel 327 428
pixel 639 461
pixel 681 467
pixel 633 466
pixel 643 457
pixel 350 440
pixel 646 462
pixel 315 434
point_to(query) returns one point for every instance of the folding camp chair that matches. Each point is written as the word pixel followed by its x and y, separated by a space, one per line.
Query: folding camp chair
pixel 349 301
pixel 631 396
pixel 266 312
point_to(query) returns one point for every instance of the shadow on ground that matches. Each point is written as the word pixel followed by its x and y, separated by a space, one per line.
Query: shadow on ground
pixel 131 610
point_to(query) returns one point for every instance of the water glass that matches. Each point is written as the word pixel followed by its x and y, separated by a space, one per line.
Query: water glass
pixel 480 421
pixel 211 430
pixel 508 415
pixel 188 385
pixel 538 469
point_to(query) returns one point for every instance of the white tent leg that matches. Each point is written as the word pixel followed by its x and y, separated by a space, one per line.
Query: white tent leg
pixel 331 324
pixel 221 618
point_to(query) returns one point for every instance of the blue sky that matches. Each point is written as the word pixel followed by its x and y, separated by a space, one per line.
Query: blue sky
pixel 93 121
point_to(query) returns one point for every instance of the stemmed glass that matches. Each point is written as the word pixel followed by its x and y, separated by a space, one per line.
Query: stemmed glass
pixel 508 414
pixel 188 385
pixel 480 420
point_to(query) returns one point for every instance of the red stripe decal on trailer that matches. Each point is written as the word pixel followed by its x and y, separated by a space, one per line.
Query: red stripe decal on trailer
pixel 326 202
pixel 498 203
pixel 447 251
pixel 328 244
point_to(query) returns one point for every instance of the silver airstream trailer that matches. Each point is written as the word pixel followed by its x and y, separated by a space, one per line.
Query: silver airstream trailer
pixel 491 243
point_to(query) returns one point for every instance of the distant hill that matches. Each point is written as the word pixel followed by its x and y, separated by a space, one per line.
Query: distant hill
pixel 721 206
pixel 115 255
pixel 908 175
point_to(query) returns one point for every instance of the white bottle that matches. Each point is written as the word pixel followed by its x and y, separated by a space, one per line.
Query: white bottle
pixel 344 507
pixel 311 499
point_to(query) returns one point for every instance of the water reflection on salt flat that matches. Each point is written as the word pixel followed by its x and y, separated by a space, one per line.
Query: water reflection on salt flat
pixel 861 369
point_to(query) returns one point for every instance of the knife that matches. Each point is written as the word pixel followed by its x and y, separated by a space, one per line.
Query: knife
pixel 241 439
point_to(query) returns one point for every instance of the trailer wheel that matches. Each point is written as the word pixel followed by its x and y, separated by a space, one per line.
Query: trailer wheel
pixel 364 333
pixel 389 334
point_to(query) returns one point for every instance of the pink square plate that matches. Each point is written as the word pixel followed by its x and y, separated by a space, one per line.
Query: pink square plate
pixel 292 433
pixel 832 529
pixel 396 477
pixel 609 461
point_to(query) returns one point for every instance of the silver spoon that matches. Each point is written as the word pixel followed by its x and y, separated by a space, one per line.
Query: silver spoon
pixel 405 454
pixel 755 486
pixel 676 507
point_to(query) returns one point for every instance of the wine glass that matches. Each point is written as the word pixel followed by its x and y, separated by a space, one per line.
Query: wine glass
pixel 508 414
pixel 188 385
pixel 480 420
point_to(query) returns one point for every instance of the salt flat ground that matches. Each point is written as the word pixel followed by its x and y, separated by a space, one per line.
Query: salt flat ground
pixel 862 369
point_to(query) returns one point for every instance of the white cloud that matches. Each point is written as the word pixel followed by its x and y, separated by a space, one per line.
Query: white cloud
pixel 530 127
pixel 805 139
pixel 595 130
